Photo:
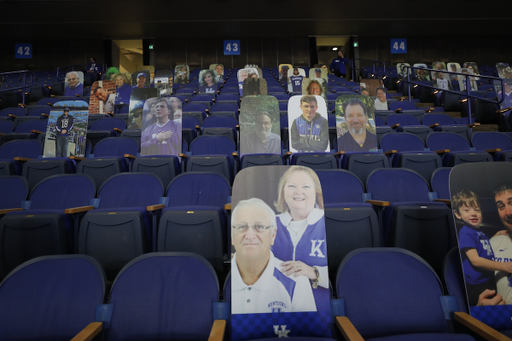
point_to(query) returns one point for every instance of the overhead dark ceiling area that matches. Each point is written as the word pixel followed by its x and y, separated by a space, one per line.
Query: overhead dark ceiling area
pixel 66 19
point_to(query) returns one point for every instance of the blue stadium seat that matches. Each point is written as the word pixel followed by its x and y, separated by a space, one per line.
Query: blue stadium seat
pixel 456 149
pixel 50 298
pixel 122 225
pixel 402 302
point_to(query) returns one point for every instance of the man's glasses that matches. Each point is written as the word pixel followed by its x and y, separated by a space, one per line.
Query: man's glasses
pixel 256 228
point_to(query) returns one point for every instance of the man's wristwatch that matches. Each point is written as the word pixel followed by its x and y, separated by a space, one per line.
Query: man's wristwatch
pixel 314 283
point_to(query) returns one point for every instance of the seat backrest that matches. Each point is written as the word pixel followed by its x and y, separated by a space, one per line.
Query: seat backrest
pixel 440 182
pixel 50 298
pixel 397 185
pixel 453 278
pixel 63 191
pixel 402 142
pixel 28 126
pixel 210 145
pixel 402 119
pixel 485 140
pixel 404 105
pixel 198 189
pixel 130 190
pixel 390 291
pixel 6 127
pixel 108 124
pixel 441 119
pixel 16 111
pixel 14 191
pixel 446 140
pixel 224 107
pixel 172 287
pixel 28 148
pixel 190 122
pixel 116 146
pixel 339 185
pixel 220 122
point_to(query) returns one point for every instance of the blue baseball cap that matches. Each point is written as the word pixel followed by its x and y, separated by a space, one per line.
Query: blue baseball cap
pixel 141 74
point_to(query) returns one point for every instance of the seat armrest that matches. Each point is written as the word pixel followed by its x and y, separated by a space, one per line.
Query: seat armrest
pixel 5 210
pixel 347 329
pixel 395 125
pixel 398 110
pixel 479 327
pixel 36 131
pixel 493 150
pixel 21 159
pixel 434 125
pixel 476 124
pixel 218 330
pixel 227 207
pixel 446 201
pixel 442 151
pixel 118 130
pixel 378 202
pixel 89 332
pixel 72 157
pixel 155 207
pixel 130 156
pixel 183 155
pixel 78 209
pixel 393 151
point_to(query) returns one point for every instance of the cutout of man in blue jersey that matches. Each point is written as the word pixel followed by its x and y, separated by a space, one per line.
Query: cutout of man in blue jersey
pixel 309 131
pixel 258 286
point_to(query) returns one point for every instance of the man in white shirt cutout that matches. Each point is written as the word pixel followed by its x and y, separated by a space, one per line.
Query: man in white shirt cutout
pixel 258 286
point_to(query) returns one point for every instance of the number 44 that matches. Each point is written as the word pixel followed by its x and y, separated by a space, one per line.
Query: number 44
pixel 401 47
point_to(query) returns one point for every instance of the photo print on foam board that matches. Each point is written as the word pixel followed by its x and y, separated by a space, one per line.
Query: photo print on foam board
pixel 260 127
pixel 292 303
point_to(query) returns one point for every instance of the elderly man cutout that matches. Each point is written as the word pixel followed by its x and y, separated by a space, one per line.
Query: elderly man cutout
pixel 258 286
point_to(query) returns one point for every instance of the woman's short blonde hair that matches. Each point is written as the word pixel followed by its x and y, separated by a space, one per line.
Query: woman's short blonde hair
pixel 280 204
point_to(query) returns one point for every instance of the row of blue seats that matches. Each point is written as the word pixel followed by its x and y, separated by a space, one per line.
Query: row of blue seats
pixel 181 296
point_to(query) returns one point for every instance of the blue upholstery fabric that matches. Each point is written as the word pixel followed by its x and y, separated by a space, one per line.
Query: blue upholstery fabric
pixel 390 291
pixel 50 298
pixel 178 306
pixel 14 191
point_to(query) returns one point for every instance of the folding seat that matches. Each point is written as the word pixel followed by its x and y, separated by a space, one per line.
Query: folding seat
pixel 211 154
pixel 103 128
pixel 14 191
pixel 456 149
pixel 6 127
pixel 36 170
pixel 124 221
pixel 183 304
pixel 443 122
pixel 499 144
pixel 454 278
pixel 384 114
pixel 412 220
pixel 13 112
pixel 51 298
pixel 314 161
pixel 225 107
pixel 362 164
pixel 196 108
pixel 452 101
pixel 47 223
pixel 109 158
pixel 165 167
pixel 204 98
pixel 402 105
pixel 408 151
pixel 25 130
pixel 399 297
pixel 440 182
pixel 93 118
pixel 47 101
pixel 133 134
pixel 250 160
pixel 221 125
pixel 39 111
pixel 36 93
pixel 14 152
pixel 228 98
pixel 9 99
pixel 190 128
pixel 350 223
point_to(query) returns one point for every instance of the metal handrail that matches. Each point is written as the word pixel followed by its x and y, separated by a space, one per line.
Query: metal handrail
pixel 24 72
pixel 353 68
pixel 497 101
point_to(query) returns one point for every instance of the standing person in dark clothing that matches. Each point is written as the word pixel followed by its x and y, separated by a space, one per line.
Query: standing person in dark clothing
pixel 63 125
pixel 338 65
